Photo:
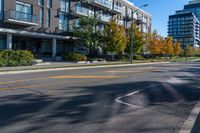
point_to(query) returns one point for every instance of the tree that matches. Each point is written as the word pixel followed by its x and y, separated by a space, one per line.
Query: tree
pixel 114 37
pixel 148 39
pixel 189 51
pixel 155 44
pixel 177 49
pixel 168 48
pixel 86 35
pixel 138 40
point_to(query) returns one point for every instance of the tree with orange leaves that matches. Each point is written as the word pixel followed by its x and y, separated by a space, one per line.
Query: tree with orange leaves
pixel 155 45
pixel 168 48
pixel 177 49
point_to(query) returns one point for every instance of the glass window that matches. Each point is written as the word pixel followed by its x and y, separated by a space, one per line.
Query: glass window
pixel 23 7
pixel 124 10
pixel 23 11
pixel 49 3
pixel 41 2
pixel 48 18
pixel 63 21
pixel 41 17
pixel 64 5
pixel 1 9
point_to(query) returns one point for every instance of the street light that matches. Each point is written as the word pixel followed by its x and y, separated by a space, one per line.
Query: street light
pixel 131 34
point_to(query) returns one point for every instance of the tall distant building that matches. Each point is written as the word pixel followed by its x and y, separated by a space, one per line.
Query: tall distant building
pixel 184 25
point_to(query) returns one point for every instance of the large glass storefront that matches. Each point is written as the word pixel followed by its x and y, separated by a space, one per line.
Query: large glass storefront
pixel 41 48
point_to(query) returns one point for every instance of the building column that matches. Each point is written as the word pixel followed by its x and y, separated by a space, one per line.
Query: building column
pixel 9 41
pixel 54 48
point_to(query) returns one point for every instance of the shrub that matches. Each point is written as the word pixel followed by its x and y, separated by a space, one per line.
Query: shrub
pixel 74 57
pixel 138 57
pixel 122 57
pixel 15 58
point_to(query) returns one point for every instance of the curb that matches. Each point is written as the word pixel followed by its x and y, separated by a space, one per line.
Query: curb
pixel 190 121
pixel 76 68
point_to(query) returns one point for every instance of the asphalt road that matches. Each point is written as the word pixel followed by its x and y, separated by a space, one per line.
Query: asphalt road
pixel 140 99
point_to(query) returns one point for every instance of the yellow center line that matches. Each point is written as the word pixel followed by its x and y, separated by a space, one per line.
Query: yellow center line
pixel 77 77
pixel 63 77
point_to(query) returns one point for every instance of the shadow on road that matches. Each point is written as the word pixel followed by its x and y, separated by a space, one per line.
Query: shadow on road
pixel 95 105
pixel 196 128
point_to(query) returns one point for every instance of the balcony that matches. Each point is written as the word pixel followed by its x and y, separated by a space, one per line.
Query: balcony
pixel 117 9
pixel 105 4
pixel 80 11
pixel 121 22
pixel 20 18
pixel 104 18
pixel 73 25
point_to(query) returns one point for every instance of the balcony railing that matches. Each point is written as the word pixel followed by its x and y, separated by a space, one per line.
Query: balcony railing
pixel 120 22
pixel 104 3
pixel 117 8
pixel 20 17
pixel 82 11
pixel 105 18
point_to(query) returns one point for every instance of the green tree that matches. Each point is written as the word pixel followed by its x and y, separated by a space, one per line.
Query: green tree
pixel 114 37
pixel 86 35
pixel 138 40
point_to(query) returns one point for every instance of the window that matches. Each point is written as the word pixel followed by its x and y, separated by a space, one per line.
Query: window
pixel 91 11
pixel 1 9
pixel 48 14
pixel 64 5
pixel 41 17
pixel 48 18
pixel 123 10
pixel 129 11
pixel 41 12
pixel 23 11
pixel 41 2
pixel 49 3
pixel 63 21
pixel 23 7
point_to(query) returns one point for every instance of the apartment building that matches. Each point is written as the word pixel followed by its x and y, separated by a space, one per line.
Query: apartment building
pixel 45 26
pixel 184 28
pixel 184 24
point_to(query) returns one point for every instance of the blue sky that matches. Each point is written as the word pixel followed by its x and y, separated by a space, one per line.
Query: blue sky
pixel 160 10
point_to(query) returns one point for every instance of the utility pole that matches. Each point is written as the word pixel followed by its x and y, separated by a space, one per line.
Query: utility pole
pixel 131 33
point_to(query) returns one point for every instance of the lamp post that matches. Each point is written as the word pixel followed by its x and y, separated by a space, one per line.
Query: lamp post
pixel 131 34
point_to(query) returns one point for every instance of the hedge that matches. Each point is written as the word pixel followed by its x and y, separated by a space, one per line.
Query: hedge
pixel 15 58
pixel 74 57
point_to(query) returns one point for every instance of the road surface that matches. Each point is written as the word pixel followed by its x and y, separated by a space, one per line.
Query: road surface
pixel 140 99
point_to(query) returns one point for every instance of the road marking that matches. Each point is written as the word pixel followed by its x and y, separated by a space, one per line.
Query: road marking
pixel 118 100
pixel 86 77
pixel 23 80
pixel 190 121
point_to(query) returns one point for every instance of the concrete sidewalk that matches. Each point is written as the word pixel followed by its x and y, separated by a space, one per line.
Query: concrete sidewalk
pixel 47 65
pixel 66 66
